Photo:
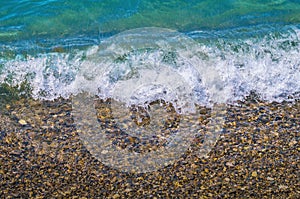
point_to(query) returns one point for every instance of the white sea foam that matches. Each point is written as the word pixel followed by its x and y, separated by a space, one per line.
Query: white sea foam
pixel 223 71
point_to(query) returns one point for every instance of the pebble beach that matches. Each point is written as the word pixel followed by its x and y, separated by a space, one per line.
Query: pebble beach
pixel 257 156
pixel 150 99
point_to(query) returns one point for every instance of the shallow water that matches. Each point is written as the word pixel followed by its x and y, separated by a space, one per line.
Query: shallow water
pixel 253 45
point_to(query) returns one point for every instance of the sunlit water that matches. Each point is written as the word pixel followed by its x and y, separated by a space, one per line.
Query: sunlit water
pixel 252 45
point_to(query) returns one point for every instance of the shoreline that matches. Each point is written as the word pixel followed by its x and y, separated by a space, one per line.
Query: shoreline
pixel 257 156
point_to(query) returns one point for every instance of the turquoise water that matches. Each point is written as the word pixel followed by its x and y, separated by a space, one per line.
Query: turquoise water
pixel 254 44
pixel 31 19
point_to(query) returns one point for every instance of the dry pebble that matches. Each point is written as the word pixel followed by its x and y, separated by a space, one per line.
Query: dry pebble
pixel 22 122
pixel 257 156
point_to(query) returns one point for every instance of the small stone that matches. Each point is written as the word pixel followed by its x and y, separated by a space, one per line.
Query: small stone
pixel 104 152
pixel 230 164
pixel 254 174
pixel 283 187
pixel 116 196
pixel 22 122
pixel 270 179
pixel 292 143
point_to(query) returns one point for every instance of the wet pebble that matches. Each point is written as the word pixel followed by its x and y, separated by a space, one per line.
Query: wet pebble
pixel 257 156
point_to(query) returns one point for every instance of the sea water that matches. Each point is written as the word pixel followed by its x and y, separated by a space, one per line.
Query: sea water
pixel 52 45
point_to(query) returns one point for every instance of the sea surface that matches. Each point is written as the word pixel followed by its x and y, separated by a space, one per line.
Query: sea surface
pixel 49 45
